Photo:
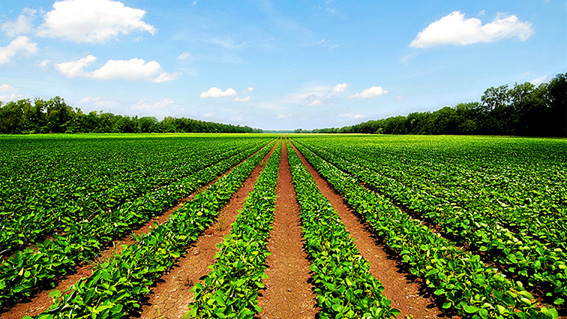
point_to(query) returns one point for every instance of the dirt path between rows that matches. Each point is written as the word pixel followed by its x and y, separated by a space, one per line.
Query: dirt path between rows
pixel 41 302
pixel 170 297
pixel 404 293
pixel 288 293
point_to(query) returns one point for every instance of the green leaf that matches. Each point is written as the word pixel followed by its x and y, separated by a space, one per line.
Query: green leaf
pixel 446 305
pixel 470 309
pixel 55 294
pixel 559 301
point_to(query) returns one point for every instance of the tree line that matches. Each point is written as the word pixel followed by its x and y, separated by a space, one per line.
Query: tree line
pixel 525 109
pixel 55 116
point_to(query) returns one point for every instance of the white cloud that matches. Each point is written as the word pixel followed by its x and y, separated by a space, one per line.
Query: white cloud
pixel 184 55
pixel 18 46
pixel 132 69
pixel 339 88
pixel 92 21
pixel 250 89
pixel 43 63
pixel 456 30
pixel 369 93
pixel 286 116
pixel 242 99
pixel 74 69
pixel 22 25
pixel 166 77
pixel 539 80
pixel 216 92
pixel 208 114
pixel 351 115
pixel 153 106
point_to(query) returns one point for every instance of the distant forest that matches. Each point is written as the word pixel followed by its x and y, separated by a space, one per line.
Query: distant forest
pixel 55 116
pixel 525 109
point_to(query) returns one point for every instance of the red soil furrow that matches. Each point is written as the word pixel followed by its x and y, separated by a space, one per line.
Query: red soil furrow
pixel 404 291
pixel 171 296
pixel 287 293
pixel 41 301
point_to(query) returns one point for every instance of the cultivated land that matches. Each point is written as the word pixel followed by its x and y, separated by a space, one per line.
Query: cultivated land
pixel 306 226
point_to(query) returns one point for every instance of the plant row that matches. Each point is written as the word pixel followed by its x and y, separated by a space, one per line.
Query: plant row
pixel 230 290
pixel 59 256
pixel 530 259
pixel 117 287
pixel 459 278
pixel 344 286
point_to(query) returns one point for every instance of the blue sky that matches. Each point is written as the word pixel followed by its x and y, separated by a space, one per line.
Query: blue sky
pixel 275 64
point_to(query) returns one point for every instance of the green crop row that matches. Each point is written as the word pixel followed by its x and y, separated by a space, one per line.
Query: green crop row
pixel 230 290
pixel 530 259
pixel 27 270
pixel 465 284
pixel 118 285
pixel 344 286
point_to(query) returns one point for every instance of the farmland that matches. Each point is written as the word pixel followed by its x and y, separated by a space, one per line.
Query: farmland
pixel 244 225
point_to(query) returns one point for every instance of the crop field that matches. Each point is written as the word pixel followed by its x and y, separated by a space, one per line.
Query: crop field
pixel 271 226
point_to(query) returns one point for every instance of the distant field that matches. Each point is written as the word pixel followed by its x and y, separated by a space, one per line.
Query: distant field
pixel 475 224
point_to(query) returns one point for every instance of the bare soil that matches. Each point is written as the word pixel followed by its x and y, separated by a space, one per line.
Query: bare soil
pixel 171 295
pixel 403 290
pixel 288 293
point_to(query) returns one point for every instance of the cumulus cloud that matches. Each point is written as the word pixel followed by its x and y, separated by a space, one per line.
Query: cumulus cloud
pixel 92 21
pixel 19 46
pixel 73 69
pixel 242 99
pixel 339 88
pixel 369 93
pixel 133 69
pixel 22 25
pixel 454 29
pixel 216 92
